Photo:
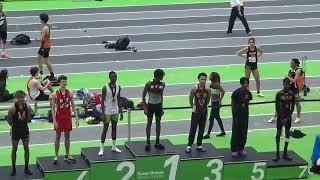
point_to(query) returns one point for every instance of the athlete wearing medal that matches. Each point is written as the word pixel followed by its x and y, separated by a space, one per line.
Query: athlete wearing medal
pixel 154 88
pixel 111 108
pixel 19 116
pixel 61 103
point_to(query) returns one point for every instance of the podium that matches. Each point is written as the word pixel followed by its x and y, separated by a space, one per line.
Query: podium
pixel 155 164
pixel 251 166
pixel 208 165
pixel 63 170
pixel 5 173
pixel 111 165
pixel 283 169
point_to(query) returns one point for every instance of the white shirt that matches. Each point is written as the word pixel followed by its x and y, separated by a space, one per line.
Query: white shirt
pixel 33 91
pixel 110 105
pixel 236 2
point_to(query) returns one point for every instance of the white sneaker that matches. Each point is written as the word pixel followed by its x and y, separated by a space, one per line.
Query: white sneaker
pixel 297 120
pixel 115 149
pixel 101 151
pixel 271 120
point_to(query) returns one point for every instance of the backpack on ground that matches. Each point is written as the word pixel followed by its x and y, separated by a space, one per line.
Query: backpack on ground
pixel 127 103
pixel 20 39
pixel 122 43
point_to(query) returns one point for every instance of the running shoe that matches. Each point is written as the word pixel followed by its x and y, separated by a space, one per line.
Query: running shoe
pixel 101 151
pixel 297 120
pixel 201 149
pixel 115 149
pixel 55 160
pixel 147 147
pixel 272 119
pixel 221 134
pixel 188 149
pixel 69 159
pixel 206 136
pixel 260 94
pixel 242 153
pixel 159 146
pixel 5 56
pixel 234 154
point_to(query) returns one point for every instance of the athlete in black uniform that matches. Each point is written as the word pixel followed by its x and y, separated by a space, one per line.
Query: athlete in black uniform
pixel 240 117
pixel 285 100
pixel 293 75
pixel 19 116
pixel 251 53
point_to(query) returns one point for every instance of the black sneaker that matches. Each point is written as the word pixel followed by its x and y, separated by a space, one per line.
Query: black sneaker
pixel 201 149
pixel 13 172
pixel 147 147
pixel 228 33
pixel 188 150
pixel 69 159
pixel 27 172
pixel 221 134
pixel 286 157
pixel 206 136
pixel 277 158
pixel 249 33
pixel 159 146
pixel 55 160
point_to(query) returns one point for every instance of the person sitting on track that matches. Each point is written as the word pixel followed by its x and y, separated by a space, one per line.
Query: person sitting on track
pixel 4 93
pixel 36 88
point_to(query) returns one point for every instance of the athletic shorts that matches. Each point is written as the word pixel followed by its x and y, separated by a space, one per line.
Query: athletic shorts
pixel 111 118
pixel 44 52
pixel 155 109
pixel 42 96
pixel 252 66
pixel 20 133
pixel 287 124
pixel 64 124
pixel 3 36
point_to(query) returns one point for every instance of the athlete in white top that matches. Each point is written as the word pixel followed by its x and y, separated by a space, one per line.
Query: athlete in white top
pixel 111 108
pixel 35 88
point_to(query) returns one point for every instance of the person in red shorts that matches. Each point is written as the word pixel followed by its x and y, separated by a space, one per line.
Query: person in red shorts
pixel 61 103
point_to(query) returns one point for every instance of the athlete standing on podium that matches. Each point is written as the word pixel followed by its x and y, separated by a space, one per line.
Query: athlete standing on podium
pixel 285 101
pixel 61 103
pixel 111 108
pixel 154 88
pixel 19 116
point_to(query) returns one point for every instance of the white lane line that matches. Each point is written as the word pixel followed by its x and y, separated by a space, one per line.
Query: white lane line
pixel 164 121
pixel 178 40
pixel 162 59
pixel 170 11
pixel 166 25
pixel 129 6
pixel 174 135
pixel 152 50
pixel 161 17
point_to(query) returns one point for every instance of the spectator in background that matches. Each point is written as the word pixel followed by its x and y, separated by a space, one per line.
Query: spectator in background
pixel 3 32
pixel 238 11
pixel 4 93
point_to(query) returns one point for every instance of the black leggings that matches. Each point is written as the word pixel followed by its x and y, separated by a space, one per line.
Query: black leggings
pixel 215 114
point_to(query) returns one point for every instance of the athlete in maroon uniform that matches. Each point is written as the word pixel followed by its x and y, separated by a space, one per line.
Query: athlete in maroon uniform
pixel 199 99
pixel 61 102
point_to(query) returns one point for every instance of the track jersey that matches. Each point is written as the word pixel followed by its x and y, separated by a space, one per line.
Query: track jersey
pixel 252 56
pixel 63 105
pixel 46 43
pixel 285 101
pixel 293 86
pixel 200 100
pixel 111 101
pixel 155 92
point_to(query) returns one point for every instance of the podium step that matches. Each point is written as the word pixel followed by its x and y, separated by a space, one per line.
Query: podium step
pixel 63 170
pixel 5 173
pixel 111 165
pixel 200 165
pixel 251 166
pixel 283 169
pixel 155 164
